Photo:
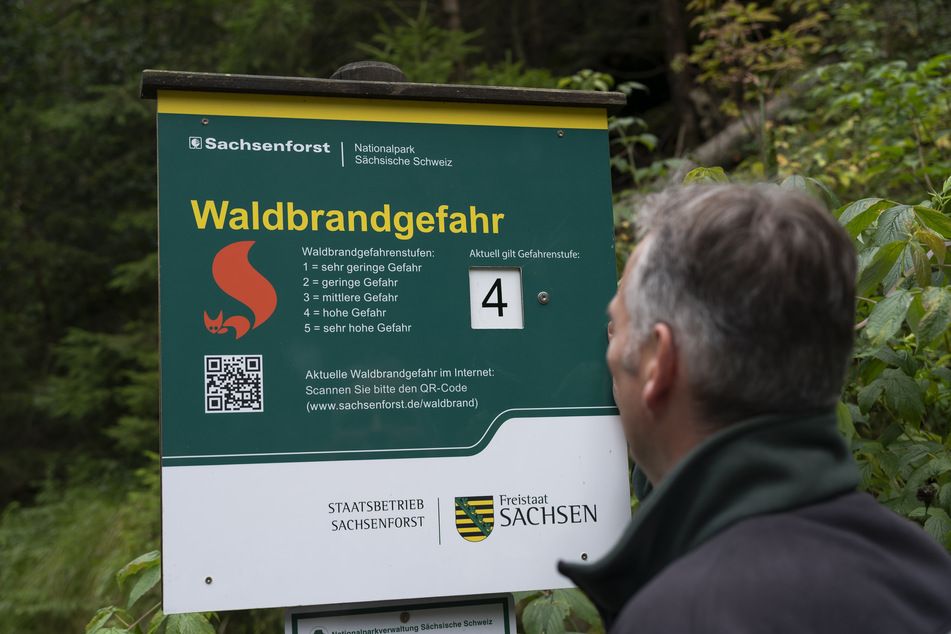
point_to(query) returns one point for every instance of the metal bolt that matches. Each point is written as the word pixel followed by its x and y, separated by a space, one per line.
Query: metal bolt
pixel 208 580
pixel 561 133
pixel 584 556
pixel 204 121
pixel 404 617
pixel 543 298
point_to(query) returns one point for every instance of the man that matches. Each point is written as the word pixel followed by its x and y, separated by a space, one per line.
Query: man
pixel 731 333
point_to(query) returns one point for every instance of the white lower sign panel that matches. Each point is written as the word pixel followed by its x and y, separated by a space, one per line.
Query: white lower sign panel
pixel 455 615
pixel 331 532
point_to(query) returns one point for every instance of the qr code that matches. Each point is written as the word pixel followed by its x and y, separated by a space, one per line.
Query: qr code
pixel 234 383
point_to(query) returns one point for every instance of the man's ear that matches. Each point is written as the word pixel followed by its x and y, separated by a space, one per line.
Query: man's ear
pixel 663 368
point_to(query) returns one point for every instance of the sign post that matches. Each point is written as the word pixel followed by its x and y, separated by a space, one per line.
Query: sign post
pixel 382 339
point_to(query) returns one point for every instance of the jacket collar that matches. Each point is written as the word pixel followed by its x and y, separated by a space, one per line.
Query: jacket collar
pixel 759 466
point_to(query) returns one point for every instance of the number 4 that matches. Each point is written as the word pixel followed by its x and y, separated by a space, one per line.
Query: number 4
pixel 497 289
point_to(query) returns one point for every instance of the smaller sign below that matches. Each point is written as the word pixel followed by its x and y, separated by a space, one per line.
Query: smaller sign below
pixel 481 614
pixel 495 298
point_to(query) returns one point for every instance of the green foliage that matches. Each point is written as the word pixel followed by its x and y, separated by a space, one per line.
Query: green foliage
pixel 265 37
pixel 143 575
pixel 557 612
pixel 896 405
pixel 883 125
pixel 57 558
pixel 509 73
pixel 742 57
pixel 899 392
pixel 424 51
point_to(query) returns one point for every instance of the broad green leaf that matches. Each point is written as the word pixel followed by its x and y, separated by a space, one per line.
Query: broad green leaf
pixel 518 597
pixel 890 435
pixel 845 424
pixel 580 604
pixel 902 394
pixel 846 214
pixel 938 524
pixel 937 318
pixel 832 197
pixel 898 272
pixel 915 312
pixel 939 466
pixel 143 584
pixel 944 495
pixel 934 220
pixel 889 462
pixel 943 374
pixel 887 317
pixel 911 454
pixel 158 623
pixel 898 358
pixel 922 265
pixel 545 616
pixel 870 368
pixel 858 222
pixel 188 624
pixel 865 470
pixel 935 244
pixel 857 415
pixel 894 224
pixel 869 394
pixel 795 182
pixel 100 618
pixel 148 560
pixel 706 175
pixel 879 266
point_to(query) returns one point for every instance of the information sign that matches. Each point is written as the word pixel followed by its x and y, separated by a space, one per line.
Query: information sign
pixel 383 332
pixel 454 615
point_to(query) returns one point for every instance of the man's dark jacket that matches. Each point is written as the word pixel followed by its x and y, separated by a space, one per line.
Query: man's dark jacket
pixel 760 530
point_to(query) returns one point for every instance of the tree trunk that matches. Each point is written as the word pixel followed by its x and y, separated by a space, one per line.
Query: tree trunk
pixel 453 20
pixel 680 81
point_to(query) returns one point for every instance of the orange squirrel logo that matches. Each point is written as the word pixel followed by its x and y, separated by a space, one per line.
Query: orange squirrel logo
pixel 234 275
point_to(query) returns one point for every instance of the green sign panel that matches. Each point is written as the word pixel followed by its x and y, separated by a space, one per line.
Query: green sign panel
pixel 345 280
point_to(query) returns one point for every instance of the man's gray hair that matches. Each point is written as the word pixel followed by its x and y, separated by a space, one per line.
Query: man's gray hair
pixel 758 287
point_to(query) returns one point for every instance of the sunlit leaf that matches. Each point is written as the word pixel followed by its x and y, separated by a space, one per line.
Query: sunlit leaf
pixel 706 175
pixel 148 560
pixel 934 220
pixel 887 317
pixel 894 224
pixel 146 581
pixel 850 211
pixel 863 219
pixel 879 266
pixel 188 624
pixel 937 317
pixel 99 620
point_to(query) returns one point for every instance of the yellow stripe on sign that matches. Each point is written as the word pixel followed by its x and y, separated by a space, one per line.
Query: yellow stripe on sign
pixel 385 110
